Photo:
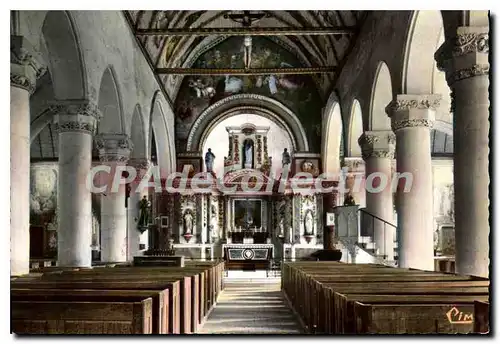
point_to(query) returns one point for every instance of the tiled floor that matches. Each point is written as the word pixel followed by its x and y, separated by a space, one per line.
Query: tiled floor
pixel 251 306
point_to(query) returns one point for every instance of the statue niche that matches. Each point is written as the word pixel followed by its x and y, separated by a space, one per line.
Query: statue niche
pixel 248 148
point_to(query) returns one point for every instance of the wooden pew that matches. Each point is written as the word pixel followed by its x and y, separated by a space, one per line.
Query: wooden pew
pixel 481 317
pixel 411 318
pixel 323 280
pixel 63 317
pixel 173 286
pixel 346 315
pixel 159 299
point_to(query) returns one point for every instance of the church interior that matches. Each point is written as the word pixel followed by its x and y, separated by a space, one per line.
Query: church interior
pixel 249 172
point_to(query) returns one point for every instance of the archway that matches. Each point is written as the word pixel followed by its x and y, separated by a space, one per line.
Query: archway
pixel 158 130
pixel 109 103
pixel 381 97
pixel 138 135
pixel 66 64
pixel 355 130
pixel 250 104
pixel 332 139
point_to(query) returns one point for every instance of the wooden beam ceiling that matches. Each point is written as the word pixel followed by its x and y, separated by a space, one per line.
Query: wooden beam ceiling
pixel 241 71
pixel 243 31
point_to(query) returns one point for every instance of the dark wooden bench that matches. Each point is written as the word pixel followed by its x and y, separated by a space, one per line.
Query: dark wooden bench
pixel 73 317
pixel 173 287
pixel 159 298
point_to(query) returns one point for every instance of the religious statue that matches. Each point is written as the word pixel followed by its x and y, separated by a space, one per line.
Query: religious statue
pixel 144 208
pixel 286 159
pixel 247 47
pixel 209 160
pixel 281 227
pixel 188 222
pixel 308 224
pixel 248 154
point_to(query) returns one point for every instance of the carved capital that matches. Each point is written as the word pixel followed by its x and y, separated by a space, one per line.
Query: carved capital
pixel 466 55
pixel 406 102
pixel 26 65
pixel 77 116
pixel 413 110
pixel 378 144
pixel 140 163
pixel 113 147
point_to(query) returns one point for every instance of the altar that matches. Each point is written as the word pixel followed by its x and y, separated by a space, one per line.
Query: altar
pixel 248 256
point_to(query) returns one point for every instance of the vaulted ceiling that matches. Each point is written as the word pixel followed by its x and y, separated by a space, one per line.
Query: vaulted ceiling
pixel 321 40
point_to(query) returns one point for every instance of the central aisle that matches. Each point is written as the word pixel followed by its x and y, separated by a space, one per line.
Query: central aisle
pixel 251 306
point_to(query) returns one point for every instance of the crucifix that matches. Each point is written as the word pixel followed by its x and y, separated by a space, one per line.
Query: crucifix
pixel 246 19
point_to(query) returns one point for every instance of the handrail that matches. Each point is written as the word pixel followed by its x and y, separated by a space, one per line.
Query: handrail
pixel 375 216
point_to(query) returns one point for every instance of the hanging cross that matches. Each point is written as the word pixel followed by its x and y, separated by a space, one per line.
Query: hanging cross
pixel 246 18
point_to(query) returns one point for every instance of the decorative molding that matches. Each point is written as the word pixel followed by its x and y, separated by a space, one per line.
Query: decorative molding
pixel 465 73
pixel 81 116
pixel 377 144
pixel 113 147
pixel 26 65
pixel 353 164
pixel 409 123
pixel 140 163
pixel 471 42
pixel 406 102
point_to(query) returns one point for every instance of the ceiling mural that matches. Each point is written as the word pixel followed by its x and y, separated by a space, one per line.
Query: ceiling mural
pixel 297 92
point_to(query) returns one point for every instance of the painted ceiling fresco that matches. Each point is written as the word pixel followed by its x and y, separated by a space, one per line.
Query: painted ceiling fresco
pixel 297 92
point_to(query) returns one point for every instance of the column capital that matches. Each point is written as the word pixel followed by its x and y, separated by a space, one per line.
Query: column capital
pixel 113 147
pixel 353 164
pixel 26 65
pixel 140 163
pixel 76 116
pixel 413 110
pixel 377 144
pixel 466 55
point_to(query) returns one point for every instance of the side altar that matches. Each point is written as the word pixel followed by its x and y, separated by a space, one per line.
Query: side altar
pixel 247 216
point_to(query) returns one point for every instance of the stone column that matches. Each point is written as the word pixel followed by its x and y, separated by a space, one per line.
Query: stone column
pixel 76 123
pixel 135 237
pixel 355 180
pixel 465 60
pixel 329 202
pixel 24 70
pixel 378 152
pixel 114 150
pixel 412 117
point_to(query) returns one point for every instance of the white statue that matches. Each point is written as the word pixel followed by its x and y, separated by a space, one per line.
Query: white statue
pixel 308 223
pixel 281 227
pixel 247 47
pixel 248 154
pixel 188 223
pixel 272 82
pixel 214 230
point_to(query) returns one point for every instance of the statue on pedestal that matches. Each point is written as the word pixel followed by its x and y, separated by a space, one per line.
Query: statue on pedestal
pixel 308 223
pixel 144 215
pixel 248 149
pixel 188 223
pixel 209 160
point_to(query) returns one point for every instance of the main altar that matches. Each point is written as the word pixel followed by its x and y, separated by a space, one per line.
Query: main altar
pixel 247 216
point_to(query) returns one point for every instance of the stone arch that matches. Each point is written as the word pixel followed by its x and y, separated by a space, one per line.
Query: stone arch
pixel 247 103
pixel 381 96
pixel 158 128
pixel 425 36
pixel 333 132
pixel 63 54
pixel 355 130
pixel 138 135
pixel 110 105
